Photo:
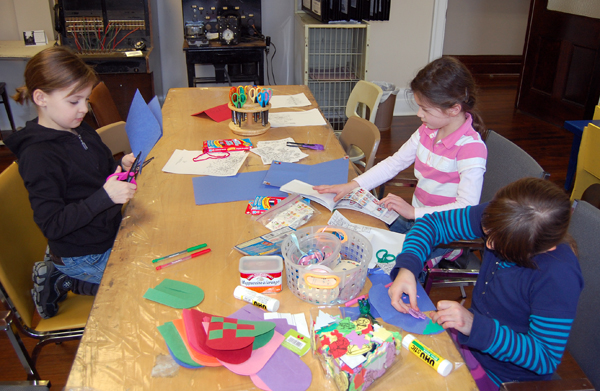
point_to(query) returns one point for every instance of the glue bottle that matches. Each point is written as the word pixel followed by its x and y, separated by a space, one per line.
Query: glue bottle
pixel 255 298
pixel 441 365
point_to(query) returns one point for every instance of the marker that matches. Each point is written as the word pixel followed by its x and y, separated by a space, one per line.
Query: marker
pixel 189 250
pixel 194 255
pixel 353 301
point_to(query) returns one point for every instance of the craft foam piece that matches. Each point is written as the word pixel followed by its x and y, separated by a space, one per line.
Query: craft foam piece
pixel 379 298
pixel 175 294
pixel 285 371
pixel 357 340
pixel 353 361
pixel 346 326
pixel 326 173
pixel 200 357
pixel 259 383
pixel 142 127
pixel 242 187
pixel 323 319
pixel 258 359
pixel 175 344
pixel 197 339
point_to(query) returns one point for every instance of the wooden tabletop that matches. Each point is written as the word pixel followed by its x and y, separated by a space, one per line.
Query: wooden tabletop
pixel 122 348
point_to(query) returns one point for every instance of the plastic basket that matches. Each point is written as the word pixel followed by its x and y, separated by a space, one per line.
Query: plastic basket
pixel 329 282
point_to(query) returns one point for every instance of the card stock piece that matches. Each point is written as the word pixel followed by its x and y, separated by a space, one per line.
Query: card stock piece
pixel 175 294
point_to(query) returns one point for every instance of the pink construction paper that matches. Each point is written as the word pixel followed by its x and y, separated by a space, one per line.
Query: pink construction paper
pixel 258 359
pixel 259 383
pixel 285 371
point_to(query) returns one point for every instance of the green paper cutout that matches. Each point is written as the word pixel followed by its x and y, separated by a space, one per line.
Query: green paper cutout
pixel 346 326
pixel 175 294
pixel 327 329
pixel 229 326
pixel 214 334
pixel 263 332
pixel 216 319
pixel 432 328
pixel 175 343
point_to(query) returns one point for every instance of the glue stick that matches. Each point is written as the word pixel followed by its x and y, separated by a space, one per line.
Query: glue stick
pixel 255 298
pixel 441 365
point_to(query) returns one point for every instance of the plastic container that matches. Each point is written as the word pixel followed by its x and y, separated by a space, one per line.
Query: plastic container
pixel 385 110
pixel 261 273
pixel 336 280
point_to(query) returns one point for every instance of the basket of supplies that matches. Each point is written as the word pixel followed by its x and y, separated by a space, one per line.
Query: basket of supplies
pixel 326 265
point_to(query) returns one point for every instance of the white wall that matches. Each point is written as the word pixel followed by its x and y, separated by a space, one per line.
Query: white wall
pixel 486 27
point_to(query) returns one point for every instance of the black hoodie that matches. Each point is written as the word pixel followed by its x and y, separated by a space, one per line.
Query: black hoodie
pixel 64 174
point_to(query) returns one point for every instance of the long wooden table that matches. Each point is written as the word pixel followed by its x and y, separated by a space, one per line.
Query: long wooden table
pixel 122 348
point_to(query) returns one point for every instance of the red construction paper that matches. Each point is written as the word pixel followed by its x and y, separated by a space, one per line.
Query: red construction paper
pixel 197 339
pixel 218 113
pixel 200 357
pixel 229 340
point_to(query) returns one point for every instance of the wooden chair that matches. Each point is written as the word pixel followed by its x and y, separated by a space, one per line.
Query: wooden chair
pixel 21 246
pixel 115 137
pixel 103 107
pixel 359 132
pixel 365 95
pixel 588 161
pixel 584 340
pixel 506 163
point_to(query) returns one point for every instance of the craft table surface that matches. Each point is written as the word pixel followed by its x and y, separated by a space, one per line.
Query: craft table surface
pixel 121 344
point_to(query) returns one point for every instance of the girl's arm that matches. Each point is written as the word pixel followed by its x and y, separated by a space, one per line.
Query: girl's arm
pixel 391 166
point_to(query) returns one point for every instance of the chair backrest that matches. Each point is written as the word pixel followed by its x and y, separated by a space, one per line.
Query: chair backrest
pixel 506 163
pixel 21 243
pixel 584 340
pixel 115 137
pixel 363 134
pixel 368 94
pixel 588 161
pixel 103 106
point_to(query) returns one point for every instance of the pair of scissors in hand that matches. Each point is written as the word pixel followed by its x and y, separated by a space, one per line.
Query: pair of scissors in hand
pixel 238 100
pixel 130 175
pixel 384 257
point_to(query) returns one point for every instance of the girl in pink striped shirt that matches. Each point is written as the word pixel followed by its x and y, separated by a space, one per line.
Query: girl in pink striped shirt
pixel 447 150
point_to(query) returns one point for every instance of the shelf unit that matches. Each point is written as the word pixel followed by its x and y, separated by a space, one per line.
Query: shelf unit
pixel 330 60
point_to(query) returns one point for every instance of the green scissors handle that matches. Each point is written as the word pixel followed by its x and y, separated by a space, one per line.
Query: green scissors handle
pixel 384 257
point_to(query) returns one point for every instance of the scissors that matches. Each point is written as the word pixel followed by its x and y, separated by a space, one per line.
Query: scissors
pixel 240 90
pixel 269 93
pixel 384 257
pixel 252 94
pixel 262 98
pixel 130 175
pixel 238 99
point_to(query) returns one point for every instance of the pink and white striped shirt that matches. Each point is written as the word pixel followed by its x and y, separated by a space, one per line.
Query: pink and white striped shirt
pixel 449 173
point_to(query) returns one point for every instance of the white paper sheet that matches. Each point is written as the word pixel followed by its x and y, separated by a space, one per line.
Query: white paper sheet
pixel 298 100
pixel 298 320
pixel 297 118
pixel 182 162
pixel 278 150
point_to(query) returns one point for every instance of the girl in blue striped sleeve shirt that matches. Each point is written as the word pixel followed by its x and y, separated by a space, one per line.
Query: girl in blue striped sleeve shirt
pixel 526 294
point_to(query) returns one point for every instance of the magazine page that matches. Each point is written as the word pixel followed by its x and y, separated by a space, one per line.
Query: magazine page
pixel 363 201
pixel 306 190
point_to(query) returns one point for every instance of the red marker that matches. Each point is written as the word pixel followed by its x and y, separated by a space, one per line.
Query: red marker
pixel 194 255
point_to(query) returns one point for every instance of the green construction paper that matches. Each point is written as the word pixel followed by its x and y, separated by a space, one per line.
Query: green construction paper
pixel 214 334
pixel 175 294
pixel 327 329
pixel 263 332
pixel 432 328
pixel 175 343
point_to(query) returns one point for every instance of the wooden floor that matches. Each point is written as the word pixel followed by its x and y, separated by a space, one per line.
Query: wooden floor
pixel 548 144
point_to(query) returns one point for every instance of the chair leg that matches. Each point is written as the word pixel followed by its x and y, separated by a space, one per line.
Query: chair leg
pixel 15 340
pixel 53 339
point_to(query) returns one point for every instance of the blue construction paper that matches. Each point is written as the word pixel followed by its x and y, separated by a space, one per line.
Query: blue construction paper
pixel 181 363
pixel 143 129
pixel 327 173
pixel 154 106
pixel 378 276
pixel 242 187
pixel 379 298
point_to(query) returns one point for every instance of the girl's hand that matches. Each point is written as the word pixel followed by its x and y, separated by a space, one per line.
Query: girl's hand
pixel 340 190
pixel 119 191
pixel 395 203
pixel 127 161
pixel 451 314
pixel 405 282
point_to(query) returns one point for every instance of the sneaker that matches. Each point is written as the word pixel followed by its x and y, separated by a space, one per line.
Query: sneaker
pixel 453 255
pixel 50 286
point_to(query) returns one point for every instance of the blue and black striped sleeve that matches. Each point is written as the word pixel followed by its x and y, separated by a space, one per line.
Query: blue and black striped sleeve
pixel 434 229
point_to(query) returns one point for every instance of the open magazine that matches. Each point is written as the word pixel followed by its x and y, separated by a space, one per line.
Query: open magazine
pixel 358 199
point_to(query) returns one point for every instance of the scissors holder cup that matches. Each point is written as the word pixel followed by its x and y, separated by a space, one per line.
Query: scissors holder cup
pixel 249 120
pixel 335 277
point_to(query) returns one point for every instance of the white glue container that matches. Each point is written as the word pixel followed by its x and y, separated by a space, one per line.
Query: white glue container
pixel 434 360
pixel 261 273
pixel 255 298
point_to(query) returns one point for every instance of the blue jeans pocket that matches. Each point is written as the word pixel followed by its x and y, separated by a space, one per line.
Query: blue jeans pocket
pixel 86 268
